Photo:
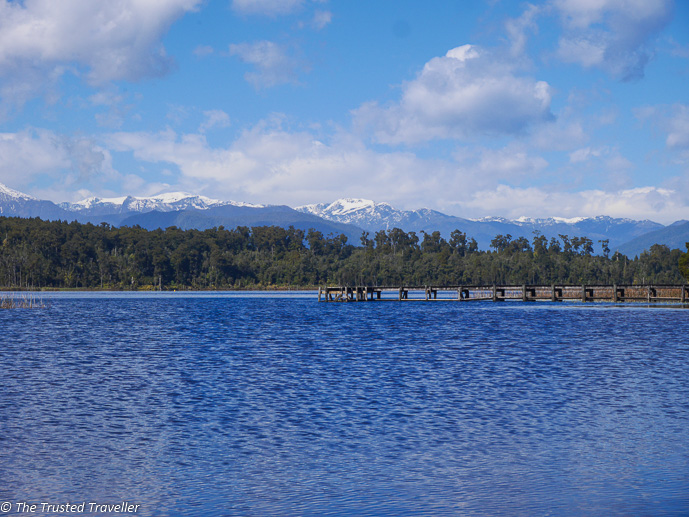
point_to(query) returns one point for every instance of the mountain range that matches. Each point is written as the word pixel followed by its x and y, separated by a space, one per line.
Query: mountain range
pixel 373 216
pixel 348 216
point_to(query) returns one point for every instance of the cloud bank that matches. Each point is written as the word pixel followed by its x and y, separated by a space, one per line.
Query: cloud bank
pixel 613 35
pixel 466 92
pixel 100 40
pixel 31 153
pixel 266 7
pixel 273 65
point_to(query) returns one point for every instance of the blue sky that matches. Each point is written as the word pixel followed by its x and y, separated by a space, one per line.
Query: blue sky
pixel 476 108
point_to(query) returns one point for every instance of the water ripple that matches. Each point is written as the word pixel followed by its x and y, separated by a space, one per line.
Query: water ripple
pixel 226 405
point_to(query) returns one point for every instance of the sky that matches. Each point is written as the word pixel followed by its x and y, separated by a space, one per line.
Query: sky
pixel 563 108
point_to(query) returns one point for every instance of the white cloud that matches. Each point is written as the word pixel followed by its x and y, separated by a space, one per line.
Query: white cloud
pixel 654 203
pixel 25 154
pixel 559 135
pixel 117 107
pixel 266 7
pixel 679 50
pixel 31 153
pixel 614 35
pixel 613 160
pixel 511 164
pixel 105 40
pixel 268 164
pixel 585 154
pixel 468 91
pixel 672 120
pixel 587 51
pixel 517 29
pixel 321 19
pixel 138 186
pixel 178 113
pixel 482 167
pixel 582 14
pixel 110 97
pixel 678 128
pixel 273 64
pixel 203 50
pixel 214 118
pixel 603 165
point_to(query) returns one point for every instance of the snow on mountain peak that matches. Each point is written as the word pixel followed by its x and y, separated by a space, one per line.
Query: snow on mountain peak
pixel 90 202
pixel 491 219
pixel 175 197
pixel 338 208
pixel 549 220
pixel 166 202
pixel 346 206
pixel 349 204
pixel 361 212
pixel 8 193
pixel 170 201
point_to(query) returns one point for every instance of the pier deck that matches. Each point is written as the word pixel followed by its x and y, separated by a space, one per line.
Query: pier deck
pixel 499 293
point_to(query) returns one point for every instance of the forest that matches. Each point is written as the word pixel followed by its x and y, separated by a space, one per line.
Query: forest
pixel 37 254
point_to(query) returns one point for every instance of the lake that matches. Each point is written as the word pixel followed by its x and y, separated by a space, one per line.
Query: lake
pixel 215 404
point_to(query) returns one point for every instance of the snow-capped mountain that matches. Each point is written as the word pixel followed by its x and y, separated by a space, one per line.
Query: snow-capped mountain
pixel 370 215
pixel 348 216
pixel 549 221
pixel 615 227
pixel 530 221
pixel 18 204
pixel 349 210
pixel 8 194
pixel 162 203
pixel 376 216
pixel 185 211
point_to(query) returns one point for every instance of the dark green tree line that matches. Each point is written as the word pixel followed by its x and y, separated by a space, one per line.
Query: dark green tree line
pixel 44 254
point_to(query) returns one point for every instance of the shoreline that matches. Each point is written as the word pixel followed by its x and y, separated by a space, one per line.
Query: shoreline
pixel 152 290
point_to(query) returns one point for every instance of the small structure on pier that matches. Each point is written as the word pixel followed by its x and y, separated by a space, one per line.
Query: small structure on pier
pixel 499 293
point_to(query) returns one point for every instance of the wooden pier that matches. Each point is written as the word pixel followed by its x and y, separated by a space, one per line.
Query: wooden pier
pixel 500 293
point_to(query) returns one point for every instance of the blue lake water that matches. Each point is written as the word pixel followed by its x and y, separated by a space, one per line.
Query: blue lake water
pixel 215 404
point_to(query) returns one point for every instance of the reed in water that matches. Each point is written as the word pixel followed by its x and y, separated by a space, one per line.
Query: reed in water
pixel 22 301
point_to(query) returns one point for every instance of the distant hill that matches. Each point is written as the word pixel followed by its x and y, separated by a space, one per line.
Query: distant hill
pixel 18 204
pixel 179 209
pixel 231 216
pixel 173 201
pixel 674 236
pixel 374 216
pixel 348 216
